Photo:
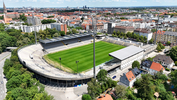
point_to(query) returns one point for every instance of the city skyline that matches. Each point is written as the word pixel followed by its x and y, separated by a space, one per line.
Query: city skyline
pixel 89 3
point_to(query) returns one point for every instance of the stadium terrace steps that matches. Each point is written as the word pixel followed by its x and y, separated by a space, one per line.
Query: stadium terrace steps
pixel 58 46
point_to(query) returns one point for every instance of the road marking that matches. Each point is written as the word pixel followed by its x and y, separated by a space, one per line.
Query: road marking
pixel 64 43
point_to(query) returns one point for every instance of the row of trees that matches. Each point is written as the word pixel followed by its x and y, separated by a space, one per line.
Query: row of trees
pixel 21 85
pixel 73 31
pixel 137 37
pixel 49 33
pixel 48 21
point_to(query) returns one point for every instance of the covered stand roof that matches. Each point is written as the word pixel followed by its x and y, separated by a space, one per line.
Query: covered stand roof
pixel 61 38
pixel 126 52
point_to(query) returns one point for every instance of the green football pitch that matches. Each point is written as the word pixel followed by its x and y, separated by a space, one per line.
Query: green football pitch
pixel 84 54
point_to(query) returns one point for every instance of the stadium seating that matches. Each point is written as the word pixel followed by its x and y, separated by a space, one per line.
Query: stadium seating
pixel 66 44
pixel 119 42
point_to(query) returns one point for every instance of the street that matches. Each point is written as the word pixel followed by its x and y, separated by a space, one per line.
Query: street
pixel 71 93
pixel 3 81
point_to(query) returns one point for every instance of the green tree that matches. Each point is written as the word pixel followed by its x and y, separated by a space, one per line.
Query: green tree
pixel 158 48
pixel 1 17
pixel 102 75
pixel 23 17
pixel 114 32
pixel 166 96
pixel 153 30
pixel 135 64
pixel 74 31
pixel 62 33
pixel 173 53
pixel 151 41
pixel 161 46
pixel 120 91
pixel 150 59
pixel 168 42
pixel 175 63
pixel 86 97
pixel 48 21
pixel 145 90
pixel 94 88
pixel 173 76
pixel 82 18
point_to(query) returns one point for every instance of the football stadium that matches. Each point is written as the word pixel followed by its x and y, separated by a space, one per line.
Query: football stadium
pixel 83 54
pixel 68 61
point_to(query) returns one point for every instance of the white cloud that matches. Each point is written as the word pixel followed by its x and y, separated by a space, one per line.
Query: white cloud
pixel 60 1
pixel 34 0
pixel 44 1
pixel 122 0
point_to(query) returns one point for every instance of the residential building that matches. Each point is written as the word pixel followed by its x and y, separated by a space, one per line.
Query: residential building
pixel 152 67
pixel 59 27
pixel 111 27
pixel 165 61
pixel 33 20
pixel 105 97
pixel 130 77
pixel 29 29
pixel 170 36
pixel 164 36
pixel 123 29
pixel 144 32
pixel 160 36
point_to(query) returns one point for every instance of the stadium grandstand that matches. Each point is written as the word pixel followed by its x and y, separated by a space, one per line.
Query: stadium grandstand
pixel 66 42
pixel 119 42
pixel 31 57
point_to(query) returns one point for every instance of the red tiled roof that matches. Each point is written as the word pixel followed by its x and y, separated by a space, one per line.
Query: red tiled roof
pixel 159 32
pixel 107 97
pixel 157 66
pixel 72 22
pixel 130 76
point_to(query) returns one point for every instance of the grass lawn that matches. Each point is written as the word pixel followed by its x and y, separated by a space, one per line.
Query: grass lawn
pixel 84 54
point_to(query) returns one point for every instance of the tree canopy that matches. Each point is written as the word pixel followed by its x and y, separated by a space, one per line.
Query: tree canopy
pixel 173 53
pixel 135 64
pixel 23 17
pixel 48 21
pixel 21 85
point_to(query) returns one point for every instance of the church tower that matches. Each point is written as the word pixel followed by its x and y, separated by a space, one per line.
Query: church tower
pixel 4 8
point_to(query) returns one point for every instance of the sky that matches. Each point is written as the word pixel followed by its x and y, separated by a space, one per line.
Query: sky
pixel 89 3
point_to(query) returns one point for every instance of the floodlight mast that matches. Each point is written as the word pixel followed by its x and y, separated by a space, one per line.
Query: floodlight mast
pixel 156 30
pixel 94 32
pixel 34 27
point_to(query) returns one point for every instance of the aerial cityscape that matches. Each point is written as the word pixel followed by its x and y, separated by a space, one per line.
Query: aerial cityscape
pixel 88 50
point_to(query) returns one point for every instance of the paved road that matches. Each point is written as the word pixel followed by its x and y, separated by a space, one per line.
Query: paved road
pixel 73 93
pixel 3 81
